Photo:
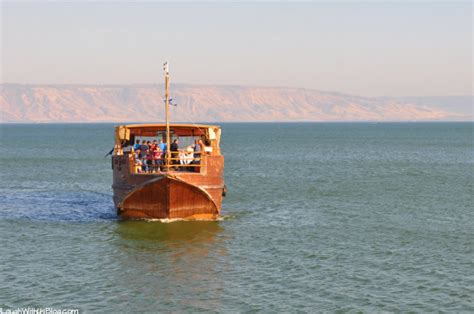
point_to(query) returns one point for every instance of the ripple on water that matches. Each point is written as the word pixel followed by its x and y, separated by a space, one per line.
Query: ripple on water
pixel 73 206
pixel 357 217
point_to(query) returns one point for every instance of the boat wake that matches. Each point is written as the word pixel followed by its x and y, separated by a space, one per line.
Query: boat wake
pixel 71 206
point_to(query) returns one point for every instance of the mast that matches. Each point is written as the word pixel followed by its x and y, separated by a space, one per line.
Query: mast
pixel 167 83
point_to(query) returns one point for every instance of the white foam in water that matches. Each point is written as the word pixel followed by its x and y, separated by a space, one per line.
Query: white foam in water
pixel 169 220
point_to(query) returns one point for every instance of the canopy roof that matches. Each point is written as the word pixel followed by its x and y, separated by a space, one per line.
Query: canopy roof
pixel 125 131
pixel 173 126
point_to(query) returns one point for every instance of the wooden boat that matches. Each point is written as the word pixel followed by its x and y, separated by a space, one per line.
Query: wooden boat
pixel 189 187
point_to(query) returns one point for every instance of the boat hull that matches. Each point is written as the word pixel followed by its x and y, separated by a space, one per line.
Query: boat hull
pixel 168 197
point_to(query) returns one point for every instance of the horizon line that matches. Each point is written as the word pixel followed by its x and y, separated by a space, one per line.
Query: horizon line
pixel 253 122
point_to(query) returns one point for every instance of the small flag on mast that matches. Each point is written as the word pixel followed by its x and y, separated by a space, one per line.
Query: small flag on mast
pixel 170 101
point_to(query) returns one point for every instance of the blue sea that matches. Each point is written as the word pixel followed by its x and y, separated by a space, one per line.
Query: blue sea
pixel 319 217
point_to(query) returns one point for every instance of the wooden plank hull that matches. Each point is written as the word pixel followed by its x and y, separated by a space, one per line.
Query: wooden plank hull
pixel 168 197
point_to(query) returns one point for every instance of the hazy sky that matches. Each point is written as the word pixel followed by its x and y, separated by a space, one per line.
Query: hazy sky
pixel 365 48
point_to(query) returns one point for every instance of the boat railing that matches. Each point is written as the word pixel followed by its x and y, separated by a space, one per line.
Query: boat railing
pixel 183 163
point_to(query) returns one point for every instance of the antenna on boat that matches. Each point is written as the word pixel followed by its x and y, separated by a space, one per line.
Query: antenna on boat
pixel 167 102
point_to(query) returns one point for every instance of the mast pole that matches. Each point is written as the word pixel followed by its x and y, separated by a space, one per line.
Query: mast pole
pixel 167 83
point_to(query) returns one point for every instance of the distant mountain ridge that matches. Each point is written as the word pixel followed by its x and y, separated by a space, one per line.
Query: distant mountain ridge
pixel 213 103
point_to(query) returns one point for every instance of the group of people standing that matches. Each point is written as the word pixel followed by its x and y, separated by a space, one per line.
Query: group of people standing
pixel 150 156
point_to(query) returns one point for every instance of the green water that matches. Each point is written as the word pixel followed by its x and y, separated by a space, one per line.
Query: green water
pixel 319 217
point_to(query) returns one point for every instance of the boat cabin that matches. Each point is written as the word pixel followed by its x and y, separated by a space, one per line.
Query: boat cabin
pixel 145 147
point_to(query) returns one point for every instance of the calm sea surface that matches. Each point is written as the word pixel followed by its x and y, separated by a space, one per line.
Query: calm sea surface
pixel 319 217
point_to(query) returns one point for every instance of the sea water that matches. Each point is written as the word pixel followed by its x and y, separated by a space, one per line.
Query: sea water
pixel 318 217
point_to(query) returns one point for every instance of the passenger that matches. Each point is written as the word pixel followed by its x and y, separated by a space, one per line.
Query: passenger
pixel 150 157
pixel 186 157
pixel 143 155
pixel 207 146
pixel 156 158
pixel 162 147
pixel 127 147
pixel 149 160
pixel 137 162
pixel 137 145
pixel 174 148
pixel 182 157
pixel 143 148
pixel 198 149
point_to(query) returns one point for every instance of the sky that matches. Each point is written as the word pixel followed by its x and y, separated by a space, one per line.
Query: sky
pixel 363 48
